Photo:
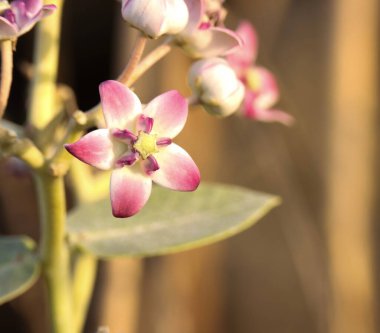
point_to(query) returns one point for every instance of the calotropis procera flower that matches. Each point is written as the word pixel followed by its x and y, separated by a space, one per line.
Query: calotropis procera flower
pixel 156 17
pixel 261 90
pixel 20 16
pixel 216 86
pixel 137 145
pixel 205 35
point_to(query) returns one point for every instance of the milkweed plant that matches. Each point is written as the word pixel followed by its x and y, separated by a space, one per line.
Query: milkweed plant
pixel 157 203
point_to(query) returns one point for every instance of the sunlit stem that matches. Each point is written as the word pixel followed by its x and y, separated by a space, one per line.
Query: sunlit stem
pixel 193 100
pixel 43 106
pixel 6 74
pixel 151 59
pixel 138 70
pixel 83 285
pixel 136 55
pixel 54 251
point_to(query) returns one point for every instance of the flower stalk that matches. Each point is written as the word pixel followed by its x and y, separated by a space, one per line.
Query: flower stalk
pixel 136 55
pixel 148 61
pixel 6 74
pixel 54 251
pixel 83 285
pixel 42 106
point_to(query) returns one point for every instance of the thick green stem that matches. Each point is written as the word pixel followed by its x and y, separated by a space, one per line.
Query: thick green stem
pixel 43 89
pixel 83 285
pixel 6 74
pixel 54 251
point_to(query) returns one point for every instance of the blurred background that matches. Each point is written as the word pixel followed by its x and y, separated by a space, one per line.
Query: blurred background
pixel 311 265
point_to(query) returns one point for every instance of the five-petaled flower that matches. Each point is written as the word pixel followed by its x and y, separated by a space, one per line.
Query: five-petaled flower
pixel 261 90
pixel 205 35
pixel 20 16
pixel 137 145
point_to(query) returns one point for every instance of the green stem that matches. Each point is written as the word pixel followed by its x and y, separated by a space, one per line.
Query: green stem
pixel 83 286
pixel 6 74
pixel 46 56
pixel 54 251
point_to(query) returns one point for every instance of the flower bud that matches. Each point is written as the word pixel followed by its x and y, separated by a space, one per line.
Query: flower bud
pixel 216 86
pixel 156 18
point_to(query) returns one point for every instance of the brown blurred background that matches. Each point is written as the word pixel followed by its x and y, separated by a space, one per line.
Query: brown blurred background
pixel 309 266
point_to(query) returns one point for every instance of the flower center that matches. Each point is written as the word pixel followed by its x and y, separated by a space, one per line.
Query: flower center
pixel 253 79
pixel 146 144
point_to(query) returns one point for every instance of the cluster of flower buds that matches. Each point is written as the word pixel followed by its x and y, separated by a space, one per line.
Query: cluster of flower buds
pixel 222 87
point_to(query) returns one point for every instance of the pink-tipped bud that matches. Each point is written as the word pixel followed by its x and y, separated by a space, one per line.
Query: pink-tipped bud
pixel 216 86
pixel 156 18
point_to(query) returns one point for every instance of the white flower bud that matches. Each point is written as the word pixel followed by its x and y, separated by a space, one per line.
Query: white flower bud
pixel 156 17
pixel 216 86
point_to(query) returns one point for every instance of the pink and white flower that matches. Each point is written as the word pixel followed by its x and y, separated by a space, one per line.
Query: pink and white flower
pixel 205 35
pixel 156 18
pixel 261 90
pixel 20 16
pixel 216 86
pixel 137 145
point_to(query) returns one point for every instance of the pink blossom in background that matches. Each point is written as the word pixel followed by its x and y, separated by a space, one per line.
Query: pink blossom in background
pixel 20 16
pixel 137 145
pixel 261 90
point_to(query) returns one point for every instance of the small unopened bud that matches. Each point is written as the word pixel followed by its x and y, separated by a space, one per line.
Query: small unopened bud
pixel 156 18
pixel 216 86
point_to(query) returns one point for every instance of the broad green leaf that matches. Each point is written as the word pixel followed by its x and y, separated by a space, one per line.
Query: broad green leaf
pixel 170 222
pixel 19 266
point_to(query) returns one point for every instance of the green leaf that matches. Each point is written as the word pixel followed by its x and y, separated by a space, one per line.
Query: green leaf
pixel 19 266
pixel 170 222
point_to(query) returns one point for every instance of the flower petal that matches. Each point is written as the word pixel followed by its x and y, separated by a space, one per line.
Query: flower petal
pixel 250 110
pixel 95 148
pixel 177 169
pixel 130 190
pixel 267 92
pixel 47 10
pixel 245 55
pixel 8 30
pixel 120 105
pixel 196 9
pixel 169 111
pixel 270 116
pixel 155 18
pixel 26 23
pixel 31 6
pixel 211 42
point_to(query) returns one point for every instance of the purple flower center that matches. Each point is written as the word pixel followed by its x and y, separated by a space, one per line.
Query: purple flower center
pixel 141 146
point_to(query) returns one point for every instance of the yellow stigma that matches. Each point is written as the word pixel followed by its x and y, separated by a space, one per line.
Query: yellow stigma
pixel 146 144
pixel 253 79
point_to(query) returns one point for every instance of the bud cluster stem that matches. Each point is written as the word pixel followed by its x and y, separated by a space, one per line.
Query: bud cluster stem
pixel 136 55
